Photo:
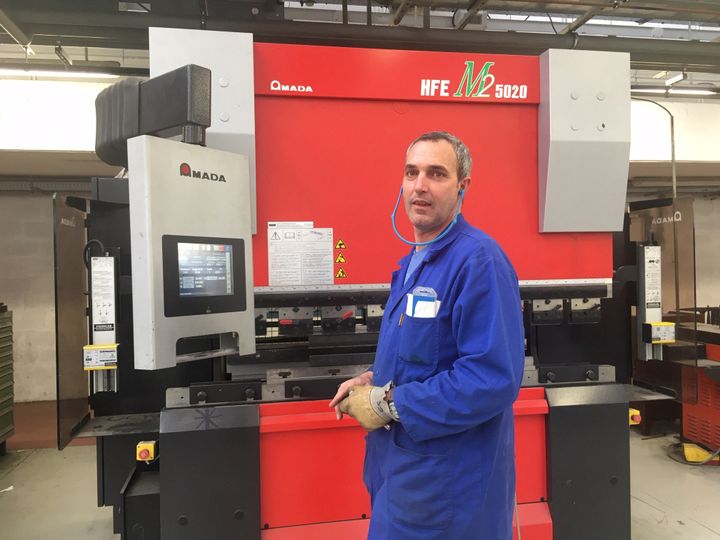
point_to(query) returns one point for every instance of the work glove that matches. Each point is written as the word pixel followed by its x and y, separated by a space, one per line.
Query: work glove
pixel 363 379
pixel 367 405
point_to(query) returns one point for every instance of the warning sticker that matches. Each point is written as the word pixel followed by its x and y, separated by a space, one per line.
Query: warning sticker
pixel 340 258
pixel 341 273
pixel 340 245
pixel 299 254
pixel 100 356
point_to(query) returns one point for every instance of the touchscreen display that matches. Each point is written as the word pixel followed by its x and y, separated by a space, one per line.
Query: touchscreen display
pixel 205 269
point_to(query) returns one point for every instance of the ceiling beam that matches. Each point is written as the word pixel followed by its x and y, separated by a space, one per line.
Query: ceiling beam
pixel 14 31
pixel 581 20
pixel 671 55
pixel 471 12
pixel 401 11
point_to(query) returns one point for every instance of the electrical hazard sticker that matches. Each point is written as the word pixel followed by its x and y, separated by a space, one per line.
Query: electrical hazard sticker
pixel 341 274
pixel 340 258
pixel 340 245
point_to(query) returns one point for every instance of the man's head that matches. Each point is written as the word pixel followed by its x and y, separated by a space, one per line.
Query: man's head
pixel 437 167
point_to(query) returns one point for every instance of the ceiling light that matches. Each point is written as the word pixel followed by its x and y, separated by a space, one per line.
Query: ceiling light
pixel 660 75
pixel 675 92
pixel 55 74
pixel 691 92
pixel 648 91
pixel 676 79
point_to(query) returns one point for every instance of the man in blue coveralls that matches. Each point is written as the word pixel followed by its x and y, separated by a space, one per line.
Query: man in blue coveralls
pixel 447 370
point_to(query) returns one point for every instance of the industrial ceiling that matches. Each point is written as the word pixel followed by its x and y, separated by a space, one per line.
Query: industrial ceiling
pixel 667 35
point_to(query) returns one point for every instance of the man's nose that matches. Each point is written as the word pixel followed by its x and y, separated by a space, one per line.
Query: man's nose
pixel 421 182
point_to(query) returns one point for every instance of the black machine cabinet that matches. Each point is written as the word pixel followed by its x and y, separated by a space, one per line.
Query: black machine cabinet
pixel 589 462
pixel 210 473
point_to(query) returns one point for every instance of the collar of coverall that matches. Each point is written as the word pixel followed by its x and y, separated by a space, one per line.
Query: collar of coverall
pixel 436 247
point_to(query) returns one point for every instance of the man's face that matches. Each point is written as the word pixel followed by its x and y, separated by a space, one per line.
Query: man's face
pixel 430 187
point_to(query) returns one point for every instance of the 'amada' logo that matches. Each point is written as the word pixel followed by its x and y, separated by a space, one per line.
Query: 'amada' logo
pixel 277 86
pixel 676 217
pixel 186 170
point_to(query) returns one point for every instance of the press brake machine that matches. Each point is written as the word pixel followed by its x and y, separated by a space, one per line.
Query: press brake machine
pixel 203 352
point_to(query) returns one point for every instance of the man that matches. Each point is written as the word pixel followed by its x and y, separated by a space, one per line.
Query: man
pixel 447 370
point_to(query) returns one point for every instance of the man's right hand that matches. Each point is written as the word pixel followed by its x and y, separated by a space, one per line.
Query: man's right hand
pixel 363 379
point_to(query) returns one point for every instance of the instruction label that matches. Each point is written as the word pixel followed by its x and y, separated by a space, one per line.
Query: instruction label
pixel 100 356
pixel 102 294
pixel 653 277
pixel 299 253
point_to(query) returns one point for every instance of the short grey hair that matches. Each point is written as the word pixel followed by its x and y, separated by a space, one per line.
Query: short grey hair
pixel 462 154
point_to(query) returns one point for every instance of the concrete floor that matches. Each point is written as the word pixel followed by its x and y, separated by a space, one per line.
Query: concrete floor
pixel 54 498
pixel 671 500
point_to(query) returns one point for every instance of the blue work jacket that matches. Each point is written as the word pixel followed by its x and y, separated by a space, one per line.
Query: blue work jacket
pixel 446 471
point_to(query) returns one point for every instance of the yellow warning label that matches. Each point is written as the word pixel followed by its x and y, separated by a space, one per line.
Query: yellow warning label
pixel 340 258
pixel 341 273
pixel 340 245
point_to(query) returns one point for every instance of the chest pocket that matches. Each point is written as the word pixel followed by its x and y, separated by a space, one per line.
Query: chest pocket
pixel 418 348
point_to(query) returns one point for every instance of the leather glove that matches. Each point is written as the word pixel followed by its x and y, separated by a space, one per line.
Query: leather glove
pixel 367 405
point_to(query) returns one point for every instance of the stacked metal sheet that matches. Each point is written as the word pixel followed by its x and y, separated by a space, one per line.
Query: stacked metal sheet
pixel 7 426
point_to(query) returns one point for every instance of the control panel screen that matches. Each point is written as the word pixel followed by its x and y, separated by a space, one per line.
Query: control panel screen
pixel 205 269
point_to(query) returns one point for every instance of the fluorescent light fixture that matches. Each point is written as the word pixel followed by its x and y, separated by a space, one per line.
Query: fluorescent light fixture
pixel 691 92
pixel 660 75
pixel 55 74
pixel 648 91
pixel 676 79
pixel 676 91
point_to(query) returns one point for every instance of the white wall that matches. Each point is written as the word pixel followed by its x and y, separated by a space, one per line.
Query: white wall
pixel 27 287
pixel 48 115
pixel 697 131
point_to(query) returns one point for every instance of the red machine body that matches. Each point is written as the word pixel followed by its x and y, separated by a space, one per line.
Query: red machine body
pixel 306 452
pixel 332 125
pixel 334 155
pixel 701 416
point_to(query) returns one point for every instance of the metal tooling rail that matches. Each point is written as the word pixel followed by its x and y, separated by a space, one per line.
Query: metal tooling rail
pixel 330 295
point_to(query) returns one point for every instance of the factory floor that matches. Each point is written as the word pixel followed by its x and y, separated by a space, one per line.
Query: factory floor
pixel 50 495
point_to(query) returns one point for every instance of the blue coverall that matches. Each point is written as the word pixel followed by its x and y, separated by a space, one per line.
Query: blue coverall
pixel 446 471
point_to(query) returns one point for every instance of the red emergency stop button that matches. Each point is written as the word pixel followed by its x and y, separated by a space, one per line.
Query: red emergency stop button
pixel 146 451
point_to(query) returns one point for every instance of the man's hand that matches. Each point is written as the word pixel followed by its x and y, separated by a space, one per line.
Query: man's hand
pixel 364 379
pixel 367 405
